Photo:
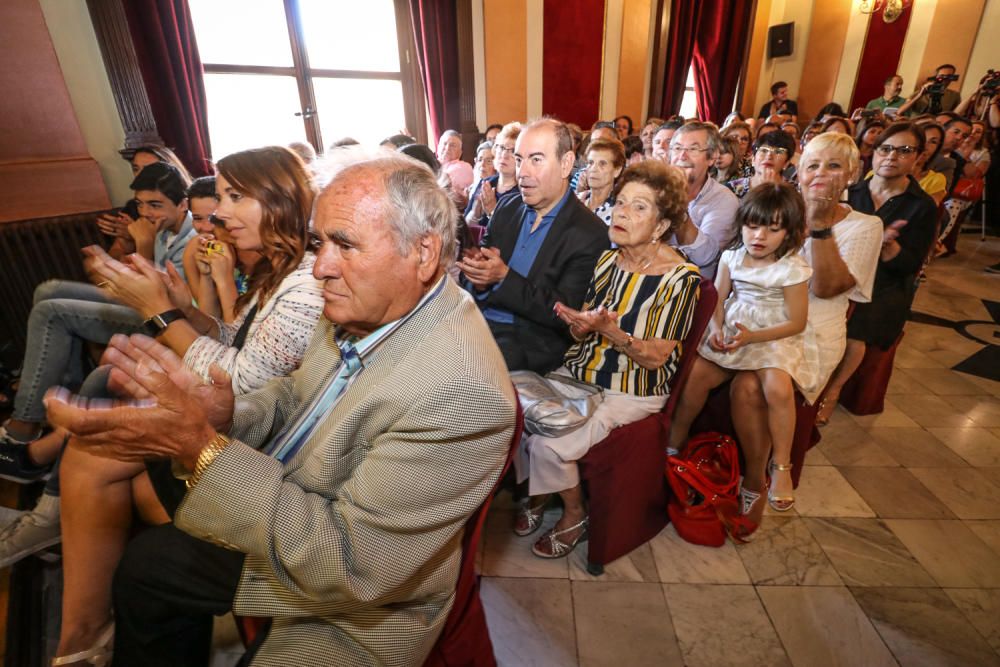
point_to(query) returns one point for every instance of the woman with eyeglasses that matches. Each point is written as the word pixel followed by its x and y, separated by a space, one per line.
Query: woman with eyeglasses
pixel 490 190
pixel 771 154
pixel 909 218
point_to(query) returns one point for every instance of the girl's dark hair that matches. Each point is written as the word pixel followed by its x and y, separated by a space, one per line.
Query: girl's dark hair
pixel 900 128
pixel 770 203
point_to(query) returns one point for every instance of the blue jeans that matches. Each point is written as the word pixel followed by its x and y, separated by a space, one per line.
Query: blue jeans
pixel 64 315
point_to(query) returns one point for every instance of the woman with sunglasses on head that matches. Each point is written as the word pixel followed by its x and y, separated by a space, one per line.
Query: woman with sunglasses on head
pixel 909 218
pixel 771 154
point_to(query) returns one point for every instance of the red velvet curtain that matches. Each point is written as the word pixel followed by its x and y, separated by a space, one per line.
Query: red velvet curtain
pixel 880 56
pixel 435 31
pixel 573 38
pixel 723 30
pixel 685 16
pixel 164 41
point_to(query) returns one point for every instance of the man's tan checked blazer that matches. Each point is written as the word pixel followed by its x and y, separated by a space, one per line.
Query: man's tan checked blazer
pixel 354 544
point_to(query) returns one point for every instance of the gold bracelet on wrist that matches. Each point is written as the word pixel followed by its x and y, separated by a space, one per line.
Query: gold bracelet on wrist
pixel 205 458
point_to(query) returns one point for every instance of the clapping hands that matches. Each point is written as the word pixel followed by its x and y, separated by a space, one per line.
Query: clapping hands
pixel 583 322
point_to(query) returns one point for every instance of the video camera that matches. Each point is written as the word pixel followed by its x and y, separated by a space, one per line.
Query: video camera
pixel 990 83
pixel 940 83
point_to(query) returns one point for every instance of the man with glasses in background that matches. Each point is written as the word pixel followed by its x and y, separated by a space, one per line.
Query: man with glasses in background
pixel 711 206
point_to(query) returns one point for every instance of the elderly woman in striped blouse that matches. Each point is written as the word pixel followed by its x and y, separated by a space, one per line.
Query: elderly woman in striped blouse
pixel 638 309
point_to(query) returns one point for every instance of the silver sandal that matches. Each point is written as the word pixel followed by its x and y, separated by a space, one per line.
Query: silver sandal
pixel 532 517
pixel 558 548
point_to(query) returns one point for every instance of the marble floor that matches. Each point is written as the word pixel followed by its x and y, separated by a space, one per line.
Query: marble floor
pixel 890 557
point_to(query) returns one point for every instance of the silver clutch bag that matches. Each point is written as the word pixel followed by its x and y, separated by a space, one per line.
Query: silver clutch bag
pixel 556 404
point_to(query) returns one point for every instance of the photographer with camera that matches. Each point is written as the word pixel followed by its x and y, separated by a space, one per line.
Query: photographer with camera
pixel 984 102
pixel 935 95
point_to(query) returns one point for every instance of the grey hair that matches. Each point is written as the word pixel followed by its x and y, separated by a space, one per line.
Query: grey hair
pixel 416 204
pixel 449 133
pixel 714 138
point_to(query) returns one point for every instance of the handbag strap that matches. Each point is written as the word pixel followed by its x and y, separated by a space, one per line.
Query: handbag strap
pixel 687 467
pixel 241 333
pixel 573 382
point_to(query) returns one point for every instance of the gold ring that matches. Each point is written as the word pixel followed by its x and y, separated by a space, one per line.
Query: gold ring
pixel 107 284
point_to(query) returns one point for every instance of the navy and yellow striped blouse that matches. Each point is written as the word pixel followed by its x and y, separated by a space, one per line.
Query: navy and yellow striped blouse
pixel 648 307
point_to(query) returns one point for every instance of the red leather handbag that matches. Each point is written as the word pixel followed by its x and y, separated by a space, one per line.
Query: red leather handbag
pixel 705 480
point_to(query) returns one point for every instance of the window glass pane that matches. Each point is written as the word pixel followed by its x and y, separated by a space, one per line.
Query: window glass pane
pixel 367 110
pixel 349 34
pixel 248 110
pixel 689 105
pixel 241 32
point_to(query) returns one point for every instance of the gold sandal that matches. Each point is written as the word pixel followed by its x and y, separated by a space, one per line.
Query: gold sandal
pixel 783 502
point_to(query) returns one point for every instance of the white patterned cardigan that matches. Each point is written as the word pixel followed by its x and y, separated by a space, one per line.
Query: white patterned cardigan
pixel 278 335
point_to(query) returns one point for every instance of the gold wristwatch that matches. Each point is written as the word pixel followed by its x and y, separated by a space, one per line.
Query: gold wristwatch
pixel 205 458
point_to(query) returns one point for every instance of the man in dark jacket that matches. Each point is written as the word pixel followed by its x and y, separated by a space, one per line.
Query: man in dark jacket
pixel 540 248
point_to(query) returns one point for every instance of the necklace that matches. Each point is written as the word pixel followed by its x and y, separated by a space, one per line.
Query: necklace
pixel 645 265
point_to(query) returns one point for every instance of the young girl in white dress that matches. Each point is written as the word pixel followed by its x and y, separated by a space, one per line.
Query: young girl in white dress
pixel 760 325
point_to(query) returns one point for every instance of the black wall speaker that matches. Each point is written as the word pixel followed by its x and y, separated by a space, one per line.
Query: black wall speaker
pixel 779 40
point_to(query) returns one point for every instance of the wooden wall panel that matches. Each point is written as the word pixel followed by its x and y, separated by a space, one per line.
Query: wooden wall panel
pixel 38 119
pixel 955 21
pixel 822 63
pixel 45 169
pixel 758 51
pixel 572 55
pixel 505 43
pixel 634 60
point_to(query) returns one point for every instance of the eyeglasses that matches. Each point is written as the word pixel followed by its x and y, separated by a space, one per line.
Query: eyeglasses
pixel 677 150
pixel 500 150
pixel 886 150
pixel 767 150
